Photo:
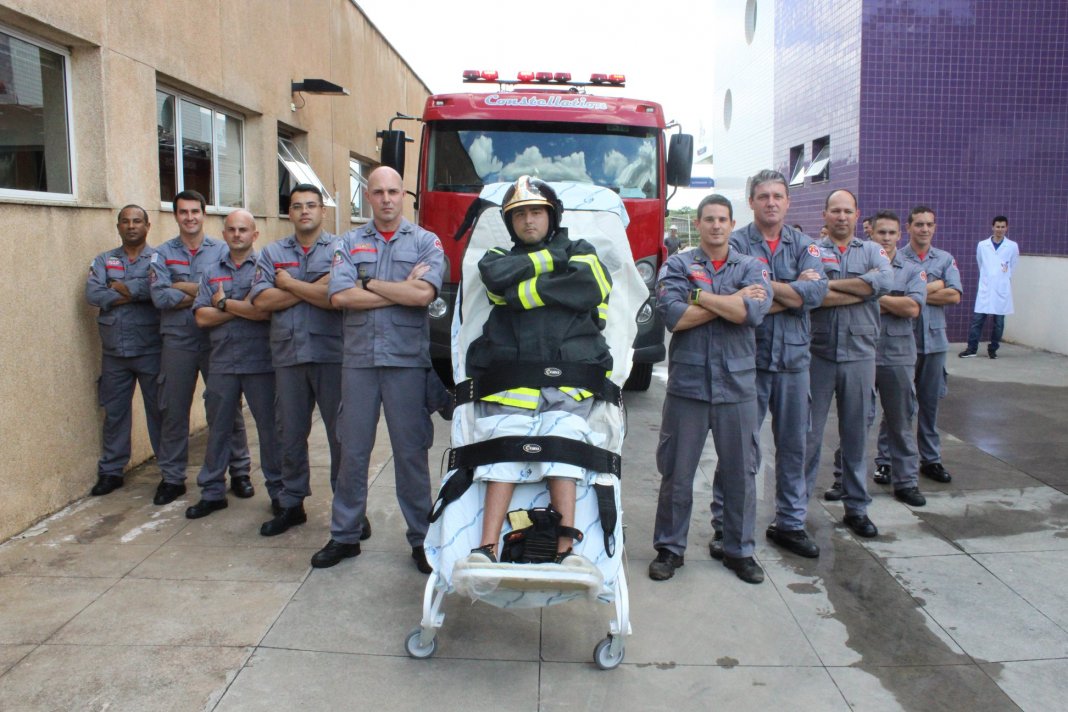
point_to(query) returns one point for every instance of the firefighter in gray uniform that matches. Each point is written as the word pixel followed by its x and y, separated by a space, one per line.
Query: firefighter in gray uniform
pixel 177 267
pixel 799 286
pixel 130 341
pixel 895 363
pixel 943 288
pixel 844 333
pixel 712 299
pixel 384 275
pixel 291 283
pixel 240 363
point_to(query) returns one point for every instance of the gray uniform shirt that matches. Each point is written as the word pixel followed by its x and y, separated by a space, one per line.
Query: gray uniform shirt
pixel 303 333
pixel 931 326
pixel 130 329
pixel 716 361
pixel 239 345
pixel 897 345
pixel 848 333
pixel 172 262
pixel 394 335
pixel 783 338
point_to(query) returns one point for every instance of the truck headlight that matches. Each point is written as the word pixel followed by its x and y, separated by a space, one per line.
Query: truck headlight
pixel 437 308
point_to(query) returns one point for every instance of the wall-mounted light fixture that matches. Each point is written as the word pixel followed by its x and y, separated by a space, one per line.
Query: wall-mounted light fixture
pixel 319 86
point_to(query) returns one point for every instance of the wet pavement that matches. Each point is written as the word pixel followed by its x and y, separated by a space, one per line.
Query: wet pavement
pixel 116 604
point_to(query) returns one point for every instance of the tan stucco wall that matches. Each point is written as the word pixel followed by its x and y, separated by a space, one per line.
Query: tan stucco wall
pixel 241 54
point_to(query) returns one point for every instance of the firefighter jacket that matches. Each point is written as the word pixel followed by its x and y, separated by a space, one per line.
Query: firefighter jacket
pixel 550 304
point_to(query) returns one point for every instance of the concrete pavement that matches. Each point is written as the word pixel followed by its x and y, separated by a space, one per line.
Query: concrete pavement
pixel 116 604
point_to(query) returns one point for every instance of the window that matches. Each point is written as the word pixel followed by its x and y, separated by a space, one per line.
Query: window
pixel 212 156
pixel 35 126
pixel 820 170
pixel 357 183
pixel 797 165
pixel 293 168
pixel 466 155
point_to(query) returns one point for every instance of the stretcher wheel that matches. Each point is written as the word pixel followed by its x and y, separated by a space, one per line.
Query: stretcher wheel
pixel 411 644
pixel 602 655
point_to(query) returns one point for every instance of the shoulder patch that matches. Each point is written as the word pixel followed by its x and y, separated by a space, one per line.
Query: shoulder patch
pixel 337 257
pixel 923 275
pixel 437 244
pixel 882 251
pixel 764 274
pixel 813 250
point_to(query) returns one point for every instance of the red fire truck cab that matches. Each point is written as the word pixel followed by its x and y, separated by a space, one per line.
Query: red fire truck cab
pixel 543 124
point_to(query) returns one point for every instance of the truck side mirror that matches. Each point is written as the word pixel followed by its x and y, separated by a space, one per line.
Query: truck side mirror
pixel 392 151
pixel 679 162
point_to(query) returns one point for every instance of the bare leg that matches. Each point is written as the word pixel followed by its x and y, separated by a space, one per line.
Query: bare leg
pixel 498 496
pixel 562 496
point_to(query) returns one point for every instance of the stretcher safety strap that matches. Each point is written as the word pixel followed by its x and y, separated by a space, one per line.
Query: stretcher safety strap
pixel 501 377
pixel 542 448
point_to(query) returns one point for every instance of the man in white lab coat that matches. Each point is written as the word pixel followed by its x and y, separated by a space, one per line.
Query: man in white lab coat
pixel 997 257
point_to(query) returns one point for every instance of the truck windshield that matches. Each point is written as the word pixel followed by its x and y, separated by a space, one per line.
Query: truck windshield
pixel 465 155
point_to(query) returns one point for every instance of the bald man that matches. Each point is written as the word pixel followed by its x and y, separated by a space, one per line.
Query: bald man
pixel 384 275
pixel 240 363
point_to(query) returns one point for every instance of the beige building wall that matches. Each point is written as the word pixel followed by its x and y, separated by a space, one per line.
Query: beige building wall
pixel 238 54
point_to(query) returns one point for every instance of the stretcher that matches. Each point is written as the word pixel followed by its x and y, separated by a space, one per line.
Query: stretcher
pixel 598 574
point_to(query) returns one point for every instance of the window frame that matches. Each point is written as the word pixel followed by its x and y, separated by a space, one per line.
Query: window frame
pixel 364 214
pixel 820 168
pixel 304 166
pixel 212 206
pixel 797 166
pixel 68 98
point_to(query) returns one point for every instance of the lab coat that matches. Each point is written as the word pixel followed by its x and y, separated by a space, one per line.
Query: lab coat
pixel 994 295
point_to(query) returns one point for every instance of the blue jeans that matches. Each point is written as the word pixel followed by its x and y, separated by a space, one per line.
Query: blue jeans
pixel 976 331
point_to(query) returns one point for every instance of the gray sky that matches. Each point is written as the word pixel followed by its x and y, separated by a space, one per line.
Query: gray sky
pixel 666 58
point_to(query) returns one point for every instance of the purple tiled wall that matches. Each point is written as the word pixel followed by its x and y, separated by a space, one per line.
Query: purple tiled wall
pixel 964 107
pixel 817 94
pixel 958 104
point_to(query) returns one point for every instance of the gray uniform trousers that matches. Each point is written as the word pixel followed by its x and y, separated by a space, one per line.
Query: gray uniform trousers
pixel 115 390
pixel 683 431
pixel 852 384
pixel 930 389
pixel 785 394
pixel 177 381
pixel 401 393
pixel 300 388
pixel 224 405
pixel 897 394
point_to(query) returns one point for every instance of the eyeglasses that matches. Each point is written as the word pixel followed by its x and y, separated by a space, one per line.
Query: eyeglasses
pixel 298 207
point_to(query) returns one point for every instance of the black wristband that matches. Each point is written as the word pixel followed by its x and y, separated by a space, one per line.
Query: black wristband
pixel 364 281
pixel 222 304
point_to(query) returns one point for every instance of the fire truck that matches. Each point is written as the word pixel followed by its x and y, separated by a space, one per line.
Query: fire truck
pixel 546 125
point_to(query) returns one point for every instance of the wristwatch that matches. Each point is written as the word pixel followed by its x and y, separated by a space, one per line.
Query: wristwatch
pixel 695 295
pixel 222 304
pixel 364 281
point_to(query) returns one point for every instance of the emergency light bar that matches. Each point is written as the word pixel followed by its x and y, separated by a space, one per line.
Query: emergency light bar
pixel 475 76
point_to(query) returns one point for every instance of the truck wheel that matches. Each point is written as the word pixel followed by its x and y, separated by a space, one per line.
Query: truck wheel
pixel 641 375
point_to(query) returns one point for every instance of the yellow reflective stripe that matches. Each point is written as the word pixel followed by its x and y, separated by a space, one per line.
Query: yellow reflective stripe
pixel 516 397
pixel 497 250
pixel 543 261
pixel 576 393
pixel 528 294
pixel 602 311
pixel 598 272
pixel 495 298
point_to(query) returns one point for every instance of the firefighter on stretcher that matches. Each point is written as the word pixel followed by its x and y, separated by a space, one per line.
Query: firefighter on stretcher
pixel 550 297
